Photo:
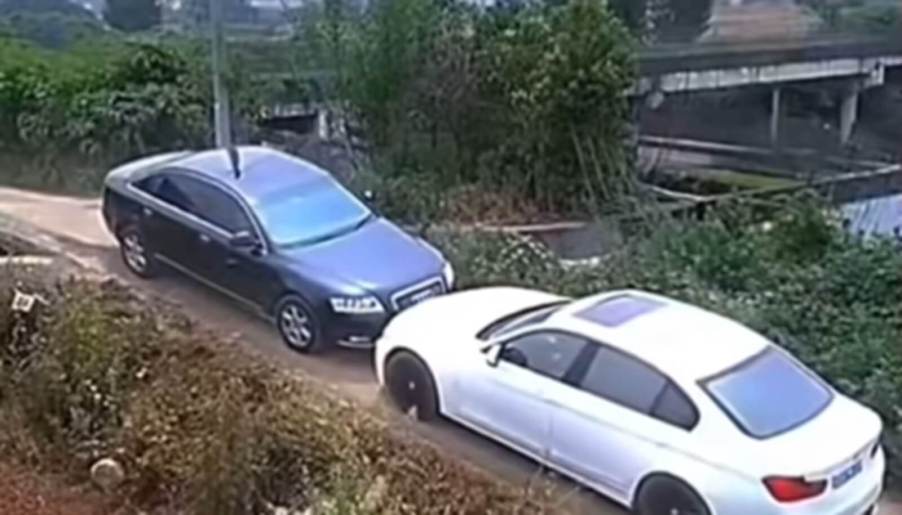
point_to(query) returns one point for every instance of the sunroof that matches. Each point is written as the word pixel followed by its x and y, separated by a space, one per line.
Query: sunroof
pixel 616 311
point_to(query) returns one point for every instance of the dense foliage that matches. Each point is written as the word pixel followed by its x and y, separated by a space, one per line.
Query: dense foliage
pixel 201 428
pixel 67 115
pixel 527 102
pixel 95 105
pixel 833 299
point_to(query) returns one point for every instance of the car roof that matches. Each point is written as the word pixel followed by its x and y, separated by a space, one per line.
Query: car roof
pixel 264 171
pixel 683 341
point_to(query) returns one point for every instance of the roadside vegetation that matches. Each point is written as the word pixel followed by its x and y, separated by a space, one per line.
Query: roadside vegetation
pixel 200 427
pixel 524 101
pixel 518 105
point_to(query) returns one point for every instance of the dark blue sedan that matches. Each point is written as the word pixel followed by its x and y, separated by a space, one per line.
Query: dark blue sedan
pixel 275 233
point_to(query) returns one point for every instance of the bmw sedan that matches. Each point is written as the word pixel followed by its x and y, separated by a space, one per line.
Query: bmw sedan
pixel 278 235
pixel 659 405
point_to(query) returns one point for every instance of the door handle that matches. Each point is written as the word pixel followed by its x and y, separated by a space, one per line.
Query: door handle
pixel 147 212
pixel 231 262
pixel 203 238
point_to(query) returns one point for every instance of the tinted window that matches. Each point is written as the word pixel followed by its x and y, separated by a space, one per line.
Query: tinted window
pixel 530 319
pixel 206 202
pixel 548 353
pixel 150 184
pixel 310 212
pixel 769 394
pixel 168 191
pixel 675 408
pixel 522 318
pixel 624 380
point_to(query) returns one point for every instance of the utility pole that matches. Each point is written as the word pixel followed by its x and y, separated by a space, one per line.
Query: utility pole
pixel 221 111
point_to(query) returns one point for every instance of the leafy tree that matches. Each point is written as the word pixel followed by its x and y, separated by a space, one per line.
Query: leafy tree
pixel 132 15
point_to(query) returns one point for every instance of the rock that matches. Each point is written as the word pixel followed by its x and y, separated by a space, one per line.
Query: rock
pixel 107 474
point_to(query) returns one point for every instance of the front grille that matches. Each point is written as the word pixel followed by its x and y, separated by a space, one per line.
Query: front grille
pixel 417 293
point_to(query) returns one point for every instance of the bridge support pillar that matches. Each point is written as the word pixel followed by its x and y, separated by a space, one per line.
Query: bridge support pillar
pixel 848 112
pixel 776 108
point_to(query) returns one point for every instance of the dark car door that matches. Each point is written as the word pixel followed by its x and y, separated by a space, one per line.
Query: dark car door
pixel 163 220
pixel 242 273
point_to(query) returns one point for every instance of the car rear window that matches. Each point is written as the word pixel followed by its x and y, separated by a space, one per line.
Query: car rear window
pixel 769 394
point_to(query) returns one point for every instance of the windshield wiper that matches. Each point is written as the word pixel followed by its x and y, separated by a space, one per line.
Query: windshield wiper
pixel 332 235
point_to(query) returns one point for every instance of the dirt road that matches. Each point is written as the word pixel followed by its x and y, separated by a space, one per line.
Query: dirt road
pixel 77 225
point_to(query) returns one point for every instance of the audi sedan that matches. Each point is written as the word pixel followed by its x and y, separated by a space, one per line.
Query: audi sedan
pixel 659 405
pixel 276 234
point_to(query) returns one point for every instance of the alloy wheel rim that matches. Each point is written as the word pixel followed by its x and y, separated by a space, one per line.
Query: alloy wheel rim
pixel 295 326
pixel 134 252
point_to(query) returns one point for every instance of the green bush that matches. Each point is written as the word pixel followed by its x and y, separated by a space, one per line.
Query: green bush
pixel 95 106
pixel 833 299
pixel 201 427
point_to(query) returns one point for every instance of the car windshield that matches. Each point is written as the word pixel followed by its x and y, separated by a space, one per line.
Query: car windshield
pixel 523 318
pixel 311 213
pixel 769 394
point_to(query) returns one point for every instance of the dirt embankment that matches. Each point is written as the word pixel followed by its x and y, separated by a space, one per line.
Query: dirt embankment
pixel 26 493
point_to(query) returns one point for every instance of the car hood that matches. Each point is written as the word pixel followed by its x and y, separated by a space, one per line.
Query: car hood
pixel 464 313
pixel 379 257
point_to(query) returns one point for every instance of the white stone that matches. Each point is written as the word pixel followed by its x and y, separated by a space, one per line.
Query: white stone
pixel 107 474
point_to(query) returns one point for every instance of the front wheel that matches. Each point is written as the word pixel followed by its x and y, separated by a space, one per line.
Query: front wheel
pixel 298 325
pixel 669 496
pixel 411 386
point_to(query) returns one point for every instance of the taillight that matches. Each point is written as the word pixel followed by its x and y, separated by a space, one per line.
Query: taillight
pixel 791 489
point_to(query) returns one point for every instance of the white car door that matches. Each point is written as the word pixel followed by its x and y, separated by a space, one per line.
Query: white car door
pixel 506 399
pixel 620 417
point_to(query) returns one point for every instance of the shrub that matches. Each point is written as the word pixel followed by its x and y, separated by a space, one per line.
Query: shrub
pixel 202 427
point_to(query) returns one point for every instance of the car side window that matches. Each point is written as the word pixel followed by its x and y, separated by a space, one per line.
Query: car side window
pixel 675 408
pixel 150 184
pixel 168 190
pixel 549 353
pixel 207 202
pixel 624 380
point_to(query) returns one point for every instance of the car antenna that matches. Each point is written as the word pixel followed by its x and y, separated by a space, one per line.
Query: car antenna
pixel 235 160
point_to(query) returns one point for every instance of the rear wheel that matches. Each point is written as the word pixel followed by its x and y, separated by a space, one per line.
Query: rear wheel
pixel 135 253
pixel 669 496
pixel 411 386
pixel 298 325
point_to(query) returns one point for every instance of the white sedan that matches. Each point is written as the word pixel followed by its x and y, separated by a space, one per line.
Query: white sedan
pixel 659 405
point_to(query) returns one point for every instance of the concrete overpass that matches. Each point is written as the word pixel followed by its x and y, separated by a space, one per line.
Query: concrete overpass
pixel 846 66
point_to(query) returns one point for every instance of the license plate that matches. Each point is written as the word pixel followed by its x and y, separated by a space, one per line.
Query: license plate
pixel 843 477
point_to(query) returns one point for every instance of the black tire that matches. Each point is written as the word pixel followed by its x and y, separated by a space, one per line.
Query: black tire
pixel 136 254
pixel 411 386
pixel 664 495
pixel 298 326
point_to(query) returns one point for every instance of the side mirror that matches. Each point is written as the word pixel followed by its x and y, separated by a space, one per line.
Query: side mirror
pixel 492 354
pixel 243 240
pixel 369 196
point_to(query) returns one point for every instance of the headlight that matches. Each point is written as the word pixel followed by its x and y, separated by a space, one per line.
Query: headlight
pixel 356 305
pixel 448 274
